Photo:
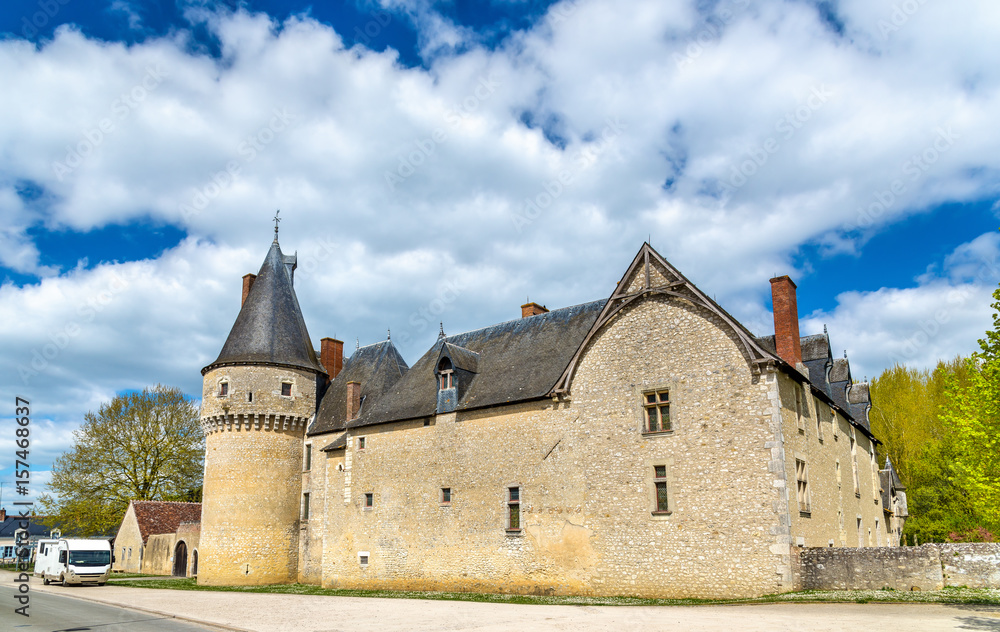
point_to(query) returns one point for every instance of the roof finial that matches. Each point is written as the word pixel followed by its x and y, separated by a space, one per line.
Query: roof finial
pixel 845 353
pixel 825 331
pixel 441 335
pixel 276 220
pixel 357 343
pixel 388 333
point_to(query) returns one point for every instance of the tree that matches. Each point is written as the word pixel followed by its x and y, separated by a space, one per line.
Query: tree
pixel 973 411
pixel 140 446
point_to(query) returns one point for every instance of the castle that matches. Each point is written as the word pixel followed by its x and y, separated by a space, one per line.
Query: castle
pixel 643 444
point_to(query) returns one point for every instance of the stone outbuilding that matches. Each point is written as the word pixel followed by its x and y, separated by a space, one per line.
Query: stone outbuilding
pixel 159 538
pixel 643 444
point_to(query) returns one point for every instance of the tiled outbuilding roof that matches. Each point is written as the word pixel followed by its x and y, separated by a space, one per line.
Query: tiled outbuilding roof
pixel 156 517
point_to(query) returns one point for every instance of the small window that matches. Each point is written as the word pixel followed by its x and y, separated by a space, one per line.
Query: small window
pixel 308 457
pixel 802 487
pixel 445 495
pixel 660 486
pixel 363 558
pixel 819 423
pixel 513 509
pixel 657 411
pixel 446 374
pixel 223 389
pixel 286 389
pixel 250 396
pixel 369 500
pixel 305 506
pixel 427 422
pixel 361 443
pixel 799 416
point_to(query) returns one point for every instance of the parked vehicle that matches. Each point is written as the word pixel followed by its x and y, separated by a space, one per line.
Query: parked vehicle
pixel 73 561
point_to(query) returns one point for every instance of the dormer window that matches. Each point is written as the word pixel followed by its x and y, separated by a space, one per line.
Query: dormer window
pixel 446 374
pixel 223 389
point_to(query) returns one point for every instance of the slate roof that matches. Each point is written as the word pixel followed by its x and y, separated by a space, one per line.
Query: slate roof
pixel 377 367
pixel 35 527
pixel 156 517
pixel 270 328
pixel 515 361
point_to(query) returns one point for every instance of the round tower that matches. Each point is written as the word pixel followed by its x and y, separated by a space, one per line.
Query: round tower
pixel 258 397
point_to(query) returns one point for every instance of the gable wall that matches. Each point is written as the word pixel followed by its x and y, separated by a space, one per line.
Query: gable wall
pixel 128 537
pixel 585 471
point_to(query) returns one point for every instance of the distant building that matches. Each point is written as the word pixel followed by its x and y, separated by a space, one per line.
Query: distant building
pixel 643 444
pixel 159 538
pixel 9 525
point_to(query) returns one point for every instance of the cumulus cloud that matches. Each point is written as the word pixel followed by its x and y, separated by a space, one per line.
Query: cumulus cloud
pixel 730 136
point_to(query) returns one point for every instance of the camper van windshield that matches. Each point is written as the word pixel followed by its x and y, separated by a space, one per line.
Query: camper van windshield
pixel 89 558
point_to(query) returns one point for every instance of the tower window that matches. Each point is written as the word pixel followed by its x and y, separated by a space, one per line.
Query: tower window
pixel 223 389
pixel 361 443
pixel 250 396
pixel 286 389
pixel 308 457
pixel 305 506
pixel 369 500
pixel 445 495
pixel 446 374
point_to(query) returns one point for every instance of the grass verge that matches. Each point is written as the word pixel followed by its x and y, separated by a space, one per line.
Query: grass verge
pixel 946 596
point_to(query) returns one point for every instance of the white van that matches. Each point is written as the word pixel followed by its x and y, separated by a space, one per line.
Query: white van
pixel 73 561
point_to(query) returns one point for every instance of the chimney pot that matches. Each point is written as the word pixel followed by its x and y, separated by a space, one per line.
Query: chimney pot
pixel 786 320
pixel 353 399
pixel 248 280
pixel 331 356
pixel 532 309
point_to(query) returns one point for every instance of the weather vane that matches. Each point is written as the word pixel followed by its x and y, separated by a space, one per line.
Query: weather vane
pixel 276 220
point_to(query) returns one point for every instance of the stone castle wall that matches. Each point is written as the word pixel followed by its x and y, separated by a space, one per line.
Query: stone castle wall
pixel 253 474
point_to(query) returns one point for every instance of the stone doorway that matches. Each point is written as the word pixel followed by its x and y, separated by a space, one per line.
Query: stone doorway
pixel 180 560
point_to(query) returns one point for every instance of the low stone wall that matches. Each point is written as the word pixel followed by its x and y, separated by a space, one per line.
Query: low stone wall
pixel 926 567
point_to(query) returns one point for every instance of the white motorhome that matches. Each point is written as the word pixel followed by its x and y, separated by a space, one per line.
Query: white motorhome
pixel 73 561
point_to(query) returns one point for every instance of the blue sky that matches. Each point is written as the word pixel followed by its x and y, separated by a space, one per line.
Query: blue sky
pixel 441 161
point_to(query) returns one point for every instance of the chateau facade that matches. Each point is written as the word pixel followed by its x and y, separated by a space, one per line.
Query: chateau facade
pixel 644 444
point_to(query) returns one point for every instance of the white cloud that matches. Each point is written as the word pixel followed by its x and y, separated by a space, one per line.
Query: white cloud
pixel 415 195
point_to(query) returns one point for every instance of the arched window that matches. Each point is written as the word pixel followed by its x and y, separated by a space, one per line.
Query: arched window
pixel 446 374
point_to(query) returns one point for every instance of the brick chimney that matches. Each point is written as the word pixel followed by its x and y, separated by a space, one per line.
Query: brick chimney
pixel 786 320
pixel 532 309
pixel 248 280
pixel 331 356
pixel 353 399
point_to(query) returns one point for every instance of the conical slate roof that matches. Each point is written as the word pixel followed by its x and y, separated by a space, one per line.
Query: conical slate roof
pixel 270 328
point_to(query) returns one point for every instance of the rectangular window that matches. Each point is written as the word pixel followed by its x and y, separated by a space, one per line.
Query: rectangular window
pixel 361 443
pixel 799 417
pixel 819 423
pixel 657 411
pixel 660 487
pixel 854 465
pixel 369 500
pixel 223 389
pixel 363 558
pixel 286 389
pixel 305 506
pixel 308 457
pixel 802 487
pixel 876 487
pixel 445 495
pixel 447 380
pixel 861 542
pixel 513 508
pixel 833 423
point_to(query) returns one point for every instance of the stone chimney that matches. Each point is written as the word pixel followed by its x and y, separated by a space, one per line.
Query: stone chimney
pixel 353 399
pixel 786 320
pixel 532 309
pixel 331 356
pixel 248 280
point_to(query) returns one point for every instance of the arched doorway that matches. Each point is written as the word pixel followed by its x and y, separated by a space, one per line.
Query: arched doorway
pixel 194 563
pixel 180 559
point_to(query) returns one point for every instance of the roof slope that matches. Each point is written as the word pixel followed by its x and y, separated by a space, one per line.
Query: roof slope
pixel 377 367
pixel 156 516
pixel 270 328
pixel 517 360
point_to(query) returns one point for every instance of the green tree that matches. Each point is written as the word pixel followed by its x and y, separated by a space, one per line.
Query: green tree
pixel 140 446
pixel 973 411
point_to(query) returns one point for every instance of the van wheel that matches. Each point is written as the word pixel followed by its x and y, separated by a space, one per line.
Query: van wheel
pixel 45 580
pixel 65 582
pixel 100 583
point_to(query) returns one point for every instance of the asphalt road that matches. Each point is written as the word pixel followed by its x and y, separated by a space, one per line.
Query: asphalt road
pixel 53 613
